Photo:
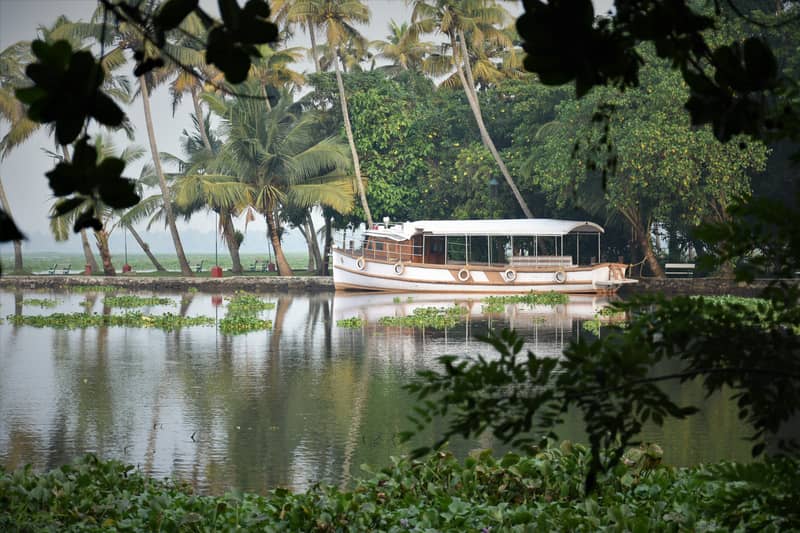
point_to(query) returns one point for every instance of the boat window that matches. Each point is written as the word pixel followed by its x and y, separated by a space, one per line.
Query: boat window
pixel 478 249
pixel 379 246
pixel 456 250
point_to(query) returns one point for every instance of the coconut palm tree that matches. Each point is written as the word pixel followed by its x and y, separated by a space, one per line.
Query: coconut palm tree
pixel 403 48
pixel 124 37
pixel 194 189
pixel 336 18
pixel 61 225
pixel 468 24
pixel 279 155
pixel 12 61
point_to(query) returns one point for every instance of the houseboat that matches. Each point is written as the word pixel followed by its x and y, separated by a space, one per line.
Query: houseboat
pixel 479 256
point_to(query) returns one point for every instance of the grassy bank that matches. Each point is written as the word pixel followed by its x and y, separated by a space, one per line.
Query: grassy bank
pixel 534 493
pixel 41 262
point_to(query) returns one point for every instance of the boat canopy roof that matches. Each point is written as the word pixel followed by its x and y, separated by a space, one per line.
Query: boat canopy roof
pixel 520 227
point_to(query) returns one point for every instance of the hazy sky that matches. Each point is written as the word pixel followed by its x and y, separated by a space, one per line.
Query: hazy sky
pixel 23 170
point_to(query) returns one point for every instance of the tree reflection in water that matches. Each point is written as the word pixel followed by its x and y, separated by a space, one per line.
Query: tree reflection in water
pixel 305 401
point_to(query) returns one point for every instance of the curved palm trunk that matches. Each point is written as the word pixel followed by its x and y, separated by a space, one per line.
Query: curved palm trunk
pixel 230 240
pixel 198 112
pixel 474 104
pixel 313 35
pixel 186 270
pixel 17 244
pixel 105 253
pixel 280 259
pixel 362 194
pixel 88 255
pixel 146 249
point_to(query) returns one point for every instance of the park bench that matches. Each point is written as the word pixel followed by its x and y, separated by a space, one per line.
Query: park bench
pixel 254 266
pixel 679 270
pixel 52 269
pixel 199 266
pixel 66 269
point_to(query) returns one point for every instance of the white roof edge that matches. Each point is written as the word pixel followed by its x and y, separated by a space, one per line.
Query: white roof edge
pixel 506 227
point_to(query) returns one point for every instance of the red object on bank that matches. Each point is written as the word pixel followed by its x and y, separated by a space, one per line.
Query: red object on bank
pixel 126 268
pixel 87 270
pixel 216 271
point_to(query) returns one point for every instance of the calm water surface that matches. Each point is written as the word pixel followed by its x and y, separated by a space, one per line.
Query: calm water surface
pixel 306 401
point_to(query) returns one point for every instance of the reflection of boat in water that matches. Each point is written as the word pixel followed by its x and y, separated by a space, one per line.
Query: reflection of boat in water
pixel 371 306
pixel 479 256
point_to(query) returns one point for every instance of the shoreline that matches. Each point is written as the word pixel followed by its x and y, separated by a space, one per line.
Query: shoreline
pixel 317 284
pixel 258 284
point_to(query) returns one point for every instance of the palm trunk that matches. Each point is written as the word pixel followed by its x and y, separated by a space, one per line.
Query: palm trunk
pixel 362 194
pixel 474 104
pixel 325 270
pixel 272 227
pixel 315 256
pixel 146 249
pixel 17 244
pixel 230 239
pixel 198 112
pixel 314 54
pixel 186 270
pixel 105 253
pixel 88 255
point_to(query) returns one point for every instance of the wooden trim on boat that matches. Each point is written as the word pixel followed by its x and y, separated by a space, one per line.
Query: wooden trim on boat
pixel 455 283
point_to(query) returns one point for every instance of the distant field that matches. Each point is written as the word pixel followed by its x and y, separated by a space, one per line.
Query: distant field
pixel 39 263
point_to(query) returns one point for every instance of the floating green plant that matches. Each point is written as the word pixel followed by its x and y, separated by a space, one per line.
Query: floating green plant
pixel 427 317
pixel 135 301
pixel 167 321
pixel 236 324
pixel 94 288
pixel 40 302
pixel 350 323
pixel 241 302
pixel 532 298
pixel 242 314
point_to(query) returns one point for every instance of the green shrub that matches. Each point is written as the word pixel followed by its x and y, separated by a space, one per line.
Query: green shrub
pixel 541 492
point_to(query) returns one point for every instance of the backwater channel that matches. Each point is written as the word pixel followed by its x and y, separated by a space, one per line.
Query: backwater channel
pixel 306 401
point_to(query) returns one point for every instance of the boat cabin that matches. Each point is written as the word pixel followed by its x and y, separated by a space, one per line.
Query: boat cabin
pixel 535 243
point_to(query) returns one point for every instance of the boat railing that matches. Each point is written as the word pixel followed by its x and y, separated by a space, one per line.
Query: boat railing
pixel 391 252
pixel 541 260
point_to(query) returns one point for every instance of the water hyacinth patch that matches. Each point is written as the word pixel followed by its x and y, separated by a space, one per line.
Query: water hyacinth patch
pixel 40 302
pixel 94 288
pixel 241 302
pixel 350 323
pixel 540 492
pixel 236 324
pixel 495 303
pixel 167 321
pixel 131 300
pixel 427 317
pixel 242 314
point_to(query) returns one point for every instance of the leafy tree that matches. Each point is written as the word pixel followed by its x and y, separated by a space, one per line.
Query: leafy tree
pixel 467 26
pixel 749 348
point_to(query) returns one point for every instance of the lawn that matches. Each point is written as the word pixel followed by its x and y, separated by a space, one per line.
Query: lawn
pixel 40 263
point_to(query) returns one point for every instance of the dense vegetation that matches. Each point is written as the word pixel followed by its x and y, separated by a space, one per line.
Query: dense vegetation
pixel 540 492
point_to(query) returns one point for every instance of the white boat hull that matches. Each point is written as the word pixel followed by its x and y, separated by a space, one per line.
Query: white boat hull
pixel 352 272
